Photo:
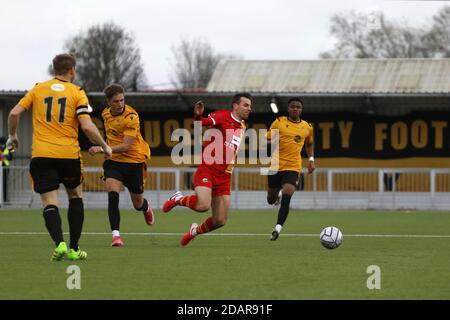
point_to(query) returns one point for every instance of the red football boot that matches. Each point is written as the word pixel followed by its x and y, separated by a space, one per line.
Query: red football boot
pixel 171 202
pixel 189 236
pixel 117 242
pixel 149 215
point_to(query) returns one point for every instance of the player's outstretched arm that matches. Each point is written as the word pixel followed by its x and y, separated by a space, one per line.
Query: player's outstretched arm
pixel 95 149
pixel 199 108
pixel 310 152
pixel 124 146
pixel 93 134
pixel 13 122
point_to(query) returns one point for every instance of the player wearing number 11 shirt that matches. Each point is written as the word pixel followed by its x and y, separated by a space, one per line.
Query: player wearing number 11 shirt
pixel 58 108
pixel 213 176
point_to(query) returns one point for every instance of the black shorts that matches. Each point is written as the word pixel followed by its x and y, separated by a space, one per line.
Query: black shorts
pixel 132 175
pixel 48 173
pixel 276 181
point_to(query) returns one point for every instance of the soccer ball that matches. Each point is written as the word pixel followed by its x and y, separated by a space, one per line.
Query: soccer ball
pixel 331 237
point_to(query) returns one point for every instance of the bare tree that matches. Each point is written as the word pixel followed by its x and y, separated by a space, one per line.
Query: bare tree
pixel 439 35
pixel 194 63
pixel 373 36
pixel 105 54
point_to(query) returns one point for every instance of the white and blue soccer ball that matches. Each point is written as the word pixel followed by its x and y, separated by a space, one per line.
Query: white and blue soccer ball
pixel 331 237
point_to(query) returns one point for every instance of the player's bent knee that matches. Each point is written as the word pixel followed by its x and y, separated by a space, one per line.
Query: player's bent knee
pixel 202 207
pixel 271 200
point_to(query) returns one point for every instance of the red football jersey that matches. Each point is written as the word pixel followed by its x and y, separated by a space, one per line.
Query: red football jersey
pixel 222 140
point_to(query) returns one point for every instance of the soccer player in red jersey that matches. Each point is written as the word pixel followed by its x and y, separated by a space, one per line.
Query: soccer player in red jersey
pixel 213 176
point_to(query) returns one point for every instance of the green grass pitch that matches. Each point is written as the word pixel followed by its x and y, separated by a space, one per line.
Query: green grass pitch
pixel 237 261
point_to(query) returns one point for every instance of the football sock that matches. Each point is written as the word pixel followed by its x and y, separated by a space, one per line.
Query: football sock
pixel 189 201
pixel 113 210
pixel 115 233
pixel 53 223
pixel 206 226
pixel 284 209
pixel 144 206
pixel 75 216
pixel 278 228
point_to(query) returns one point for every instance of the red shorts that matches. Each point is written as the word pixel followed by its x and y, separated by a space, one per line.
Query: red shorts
pixel 219 182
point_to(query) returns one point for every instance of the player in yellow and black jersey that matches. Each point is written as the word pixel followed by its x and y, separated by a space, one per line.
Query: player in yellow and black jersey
pixel 291 133
pixel 127 167
pixel 58 108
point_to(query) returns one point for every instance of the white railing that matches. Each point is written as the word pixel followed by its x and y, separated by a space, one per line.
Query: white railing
pixel 326 188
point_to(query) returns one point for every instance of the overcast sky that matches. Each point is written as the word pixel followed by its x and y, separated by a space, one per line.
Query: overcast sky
pixel 33 32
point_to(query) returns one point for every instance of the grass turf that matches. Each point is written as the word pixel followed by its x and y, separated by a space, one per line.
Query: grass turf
pixel 241 265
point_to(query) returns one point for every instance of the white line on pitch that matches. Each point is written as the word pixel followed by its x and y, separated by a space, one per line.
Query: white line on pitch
pixel 241 234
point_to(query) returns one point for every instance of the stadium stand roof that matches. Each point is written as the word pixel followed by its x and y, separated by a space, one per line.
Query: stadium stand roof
pixel 380 86
pixel 333 76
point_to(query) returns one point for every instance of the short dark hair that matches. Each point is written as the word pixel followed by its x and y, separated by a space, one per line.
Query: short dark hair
pixel 237 97
pixel 62 63
pixel 295 99
pixel 113 89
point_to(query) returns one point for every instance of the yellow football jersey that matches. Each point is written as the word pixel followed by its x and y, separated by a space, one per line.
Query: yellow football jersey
pixel 292 136
pixel 125 124
pixel 57 105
